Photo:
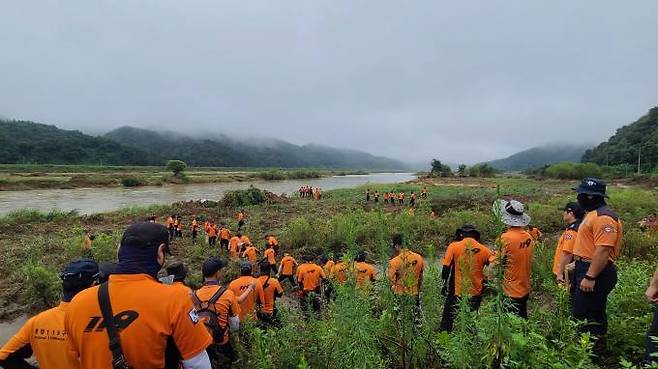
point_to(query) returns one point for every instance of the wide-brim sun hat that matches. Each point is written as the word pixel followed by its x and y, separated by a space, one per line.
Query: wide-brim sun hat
pixel 512 213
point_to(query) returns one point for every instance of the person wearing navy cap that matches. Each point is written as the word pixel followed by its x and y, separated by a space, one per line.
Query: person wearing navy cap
pixel 598 245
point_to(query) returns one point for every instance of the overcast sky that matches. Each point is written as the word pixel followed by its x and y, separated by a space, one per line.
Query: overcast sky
pixel 463 81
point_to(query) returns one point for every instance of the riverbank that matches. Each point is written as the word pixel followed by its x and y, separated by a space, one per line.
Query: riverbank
pixel 18 177
pixel 36 247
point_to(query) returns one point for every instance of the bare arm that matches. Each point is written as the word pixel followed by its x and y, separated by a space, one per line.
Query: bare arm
pixel 565 259
pixel 652 291
pixel 245 294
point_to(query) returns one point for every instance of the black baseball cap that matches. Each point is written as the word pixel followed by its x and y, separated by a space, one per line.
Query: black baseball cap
pixel 178 270
pixel 591 186
pixel 212 266
pixel 146 235
pixel 84 269
pixel 467 230
pixel 246 268
pixel 574 208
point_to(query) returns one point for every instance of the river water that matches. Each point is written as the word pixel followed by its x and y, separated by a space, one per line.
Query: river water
pixel 98 200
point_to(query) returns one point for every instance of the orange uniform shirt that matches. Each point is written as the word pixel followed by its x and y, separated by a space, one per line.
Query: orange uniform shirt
pixel 234 247
pixel 149 312
pixel 565 245
pixel 535 232
pixel 170 222
pixel 246 240
pixel 467 258
pixel 270 292
pixel 46 335
pixel 405 272
pixel 329 267
pixel 518 246
pixel 271 240
pixel 365 273
pixel 309 276
pixel 248 306
pixel 251 254
pixel 212 230
pixel 227 306
pixel 340 272
pixel 288 264
pixel 224 233
pixel 269 255
pixel 600 228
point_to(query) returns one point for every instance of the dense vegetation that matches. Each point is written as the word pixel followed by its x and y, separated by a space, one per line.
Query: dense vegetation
pixel 640 137
pixel 373 328
pixel 540 156
pixel 24 142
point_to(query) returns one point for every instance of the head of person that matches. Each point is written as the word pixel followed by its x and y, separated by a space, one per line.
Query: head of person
pixel 572 212
pixel 467 231
pixel 78 275
pixel 591 193
pixel 360 257
pixel 239 235
pixel 265 268
pixel 513 214
pixel 308 258
pixel 245 269
pixel 143 249
pixel 105 270
pixel 212 267
pixel 268 245
pixel 323 259
pixel 178 270
pixel 396 244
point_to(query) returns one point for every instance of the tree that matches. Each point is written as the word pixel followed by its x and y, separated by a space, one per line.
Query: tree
pixel 461 171
pixel 176 166
pixel 440 169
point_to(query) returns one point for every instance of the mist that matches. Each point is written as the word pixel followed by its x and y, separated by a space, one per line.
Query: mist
pixel 464 81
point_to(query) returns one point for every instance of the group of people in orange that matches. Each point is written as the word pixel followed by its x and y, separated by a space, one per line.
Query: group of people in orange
pixel 310 192
pixel 393 197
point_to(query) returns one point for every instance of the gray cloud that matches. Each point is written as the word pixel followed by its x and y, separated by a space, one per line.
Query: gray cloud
pixel 463 81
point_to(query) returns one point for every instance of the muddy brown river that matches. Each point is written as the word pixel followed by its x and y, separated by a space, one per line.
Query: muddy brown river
pixel 99 200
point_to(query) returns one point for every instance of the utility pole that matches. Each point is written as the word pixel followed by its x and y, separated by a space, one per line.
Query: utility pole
pixel 639 159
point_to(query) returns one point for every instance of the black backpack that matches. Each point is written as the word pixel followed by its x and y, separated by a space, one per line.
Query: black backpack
pixel 206 311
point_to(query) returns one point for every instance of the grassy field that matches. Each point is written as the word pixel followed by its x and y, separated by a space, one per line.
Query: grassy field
pixel 373 329
pixel 27 176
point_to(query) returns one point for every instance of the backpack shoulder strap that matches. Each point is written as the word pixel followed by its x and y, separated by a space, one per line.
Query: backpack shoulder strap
pixel 216 296
pixel 195 298
pixel 118 359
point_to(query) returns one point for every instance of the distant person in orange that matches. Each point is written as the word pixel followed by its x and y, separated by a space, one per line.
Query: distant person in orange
pixel 423 193
pixel 310 277
pixel 179 227
pixel 412 199
pixel 405 270
pixel 218 308
pixel 211 231
pixel 269 255
pixel 242 284
pixel 251 254
pixel 376 197
pixel 234 247
pixel 365 273
pixel 340 271
pixel 195 229
pixel 598 245
pixel 177 271
pixel 240 217
pixel 287 269
pixel 170 226
pixel 45 334
pixel 272 241
pixel 516 255
pixel 244 242
pixel 534 232
pixel 572 215
pixel 149 312
pixel 224 237
pixel 272 290
pixel 464 261
pixel 385 197
pixel 327 263
pixel 401 198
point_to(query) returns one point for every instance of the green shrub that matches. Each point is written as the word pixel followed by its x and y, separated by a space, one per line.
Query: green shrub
pixel 132 182
pixel 20 216
pixel 42 285
pixel 240 198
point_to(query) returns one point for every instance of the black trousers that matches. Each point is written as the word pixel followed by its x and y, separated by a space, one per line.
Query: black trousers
pixel 651 344
pixel 519 306
pixel 451 308
pixel 591 306
pixel 212 241
pixel 223 244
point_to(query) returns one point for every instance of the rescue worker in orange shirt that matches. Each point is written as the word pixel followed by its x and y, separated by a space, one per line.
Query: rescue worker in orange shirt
pixel 534 232
pixel 218 308
pixel 287 269
pixel 385 197
pixel 310 277
pixel 423 193
pixel 327 263
pixel 146 311
pixel 224 238
pixel 244 242
pixel 179 227
pixel 465 260
pixel 517 249
pixel 177 271
pixel 271 240
pixel 170 226
pixel 234 247
pixel 242 284
pixel 405 270
pixel 240 217
pixel 340 272
pixel 269 255
pixel 376 197
pixel 401 198
pixel 251 254
pixel 365 273
pixel 195 229
pixel 211 231
pixel 597 247
pixel 45 334
pixel 272 290
pixel 572 215
pixel 412 199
